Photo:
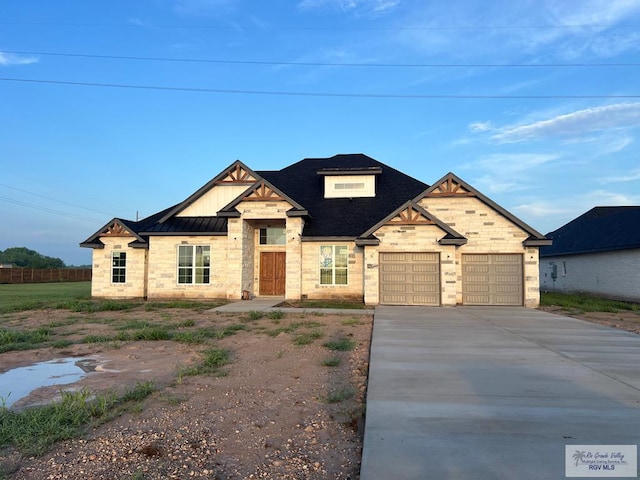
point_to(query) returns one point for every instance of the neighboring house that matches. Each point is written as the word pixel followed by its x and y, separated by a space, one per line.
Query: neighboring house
pixel 344 227
pixel 598 253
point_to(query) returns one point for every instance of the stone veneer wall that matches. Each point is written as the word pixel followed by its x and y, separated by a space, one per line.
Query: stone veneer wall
pixel 163 268
pixel 410 238
pixel 101 285
pixel 487 231
pixel 311 273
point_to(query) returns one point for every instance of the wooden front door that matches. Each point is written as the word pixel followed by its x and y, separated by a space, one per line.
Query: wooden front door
pixel 272 273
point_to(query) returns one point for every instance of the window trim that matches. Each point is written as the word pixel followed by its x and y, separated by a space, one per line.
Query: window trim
pixel 194 271
pixel 122 268
pixel 333 267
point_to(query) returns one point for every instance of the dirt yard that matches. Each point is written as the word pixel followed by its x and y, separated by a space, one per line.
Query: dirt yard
pixel 278 413
pixel 624 320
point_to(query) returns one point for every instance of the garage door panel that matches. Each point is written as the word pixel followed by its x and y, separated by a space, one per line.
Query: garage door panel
pixel 501 284
pixel 410 278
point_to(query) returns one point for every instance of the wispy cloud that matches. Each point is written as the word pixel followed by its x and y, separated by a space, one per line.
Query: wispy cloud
pixel 7 59
pixel 541 29
pixel 632 176
pixel 358 7
pixel 551 213
pixel 575 124
pixel 507 172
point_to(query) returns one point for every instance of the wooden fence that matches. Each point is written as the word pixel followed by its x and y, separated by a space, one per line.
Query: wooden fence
pixel 44 275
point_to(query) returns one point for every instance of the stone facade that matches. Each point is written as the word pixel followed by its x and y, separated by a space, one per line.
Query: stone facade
pixel 452 212
pixel 101 282
pixel 487 231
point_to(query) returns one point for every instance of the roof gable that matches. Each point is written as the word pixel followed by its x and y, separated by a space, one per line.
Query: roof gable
pixel 452 186
pixel 413 214
pixel 261 191
pixel 236 174
pixel 601 229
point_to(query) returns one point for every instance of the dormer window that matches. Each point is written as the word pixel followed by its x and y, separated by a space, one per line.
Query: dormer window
pixel 350 182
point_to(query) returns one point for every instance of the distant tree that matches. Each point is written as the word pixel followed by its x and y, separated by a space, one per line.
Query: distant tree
pixel 24 257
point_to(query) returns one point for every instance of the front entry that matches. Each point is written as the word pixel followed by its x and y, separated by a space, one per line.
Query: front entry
pixel 272 273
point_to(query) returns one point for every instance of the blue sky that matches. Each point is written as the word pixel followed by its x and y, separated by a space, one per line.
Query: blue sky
pixel 535 103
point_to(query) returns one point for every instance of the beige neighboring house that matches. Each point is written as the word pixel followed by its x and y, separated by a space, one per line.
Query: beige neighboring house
pixel 345 227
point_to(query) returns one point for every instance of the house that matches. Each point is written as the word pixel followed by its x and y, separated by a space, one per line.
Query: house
pixel 347 227
pixel 597 253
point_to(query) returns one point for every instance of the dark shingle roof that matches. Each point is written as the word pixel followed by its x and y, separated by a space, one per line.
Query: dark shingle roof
pixel 600 229
pixel 343 216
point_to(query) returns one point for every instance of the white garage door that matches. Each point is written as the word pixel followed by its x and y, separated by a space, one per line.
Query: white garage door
pixel 410 278
pixel 492 279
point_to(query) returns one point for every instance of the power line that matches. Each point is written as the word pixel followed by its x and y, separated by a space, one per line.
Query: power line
pixel 237 27
pixel 55 200
pixel 324 64
pixel 321 94
pixel 49 210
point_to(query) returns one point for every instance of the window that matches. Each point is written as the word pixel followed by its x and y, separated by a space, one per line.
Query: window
pixel 349 186
pixel 272 236
pixel 333 265
pixel 119 267
pixel 194 263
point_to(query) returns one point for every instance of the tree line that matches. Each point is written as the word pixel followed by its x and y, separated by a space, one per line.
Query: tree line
pixel 24 257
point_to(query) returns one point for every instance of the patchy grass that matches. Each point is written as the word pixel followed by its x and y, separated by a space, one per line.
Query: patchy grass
pixel 311 304
pixel 340 395
pixel 23 340
pixel 307 338
pixel 34 430
pixel 341 344
pixel 276 315
pixel 331 362
pixel 575 303
pixel 212 362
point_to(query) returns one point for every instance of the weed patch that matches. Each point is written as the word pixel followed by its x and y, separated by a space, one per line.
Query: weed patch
pixel 213 360
pixel 307 338
pixel 34 430
pixel 342 344
pixel 331 362
pixel 339 395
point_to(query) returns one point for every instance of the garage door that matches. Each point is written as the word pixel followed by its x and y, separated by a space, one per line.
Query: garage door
pixel 492 279
pixel 410 278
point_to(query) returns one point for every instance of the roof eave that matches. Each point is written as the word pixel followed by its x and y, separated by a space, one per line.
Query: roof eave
pixel 452 241
pixel 364 242
pixel 537 242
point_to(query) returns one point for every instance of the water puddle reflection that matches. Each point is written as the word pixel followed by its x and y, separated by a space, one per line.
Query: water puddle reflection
pixel 19 382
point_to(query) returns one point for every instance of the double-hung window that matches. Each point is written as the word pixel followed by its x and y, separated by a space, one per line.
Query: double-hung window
pixel 118 267
pixel 334 260
pixel 194 264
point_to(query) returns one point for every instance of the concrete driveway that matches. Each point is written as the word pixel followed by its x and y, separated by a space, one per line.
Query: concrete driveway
pixel 494 393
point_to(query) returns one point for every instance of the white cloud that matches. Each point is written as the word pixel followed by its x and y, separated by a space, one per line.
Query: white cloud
pixel 506 172
pixel 367 7
pixel 480 127
pixel 8 59
pixel 552 213
pixel 560 30
pixel 575 124
pixel 632 176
